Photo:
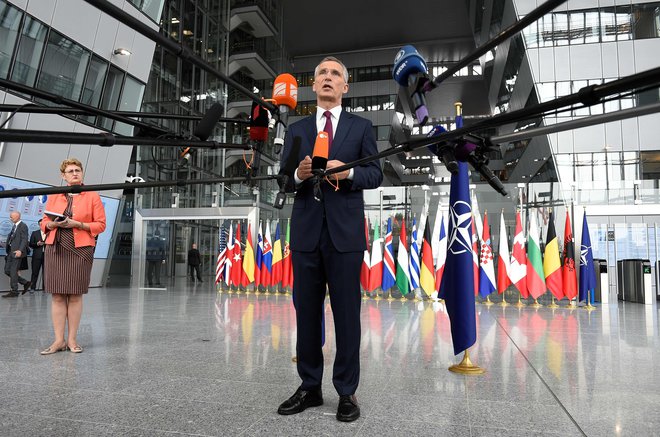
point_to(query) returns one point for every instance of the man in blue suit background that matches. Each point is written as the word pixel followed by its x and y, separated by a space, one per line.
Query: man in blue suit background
pixel 328 241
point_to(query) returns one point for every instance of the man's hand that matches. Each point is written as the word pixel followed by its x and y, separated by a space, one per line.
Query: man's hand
pixel 336 163
pixel 18 254
pixel 305 168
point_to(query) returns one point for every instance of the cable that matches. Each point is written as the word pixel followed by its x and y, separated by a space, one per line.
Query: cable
pixel 14 112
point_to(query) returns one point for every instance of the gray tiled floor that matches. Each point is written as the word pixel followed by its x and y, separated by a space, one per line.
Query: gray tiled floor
pixel 190 361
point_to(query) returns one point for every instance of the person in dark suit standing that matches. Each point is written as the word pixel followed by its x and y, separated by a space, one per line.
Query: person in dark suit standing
pixel 194 261
pixel 155 258
pixel 328 241
pixel 17 244
pixel 37 244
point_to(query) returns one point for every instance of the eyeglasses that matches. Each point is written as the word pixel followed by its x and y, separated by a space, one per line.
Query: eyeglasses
pixel 73 170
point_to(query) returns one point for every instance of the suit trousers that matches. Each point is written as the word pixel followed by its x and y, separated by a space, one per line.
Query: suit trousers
pixel 37 264
pixel 341 272
pixel 11 269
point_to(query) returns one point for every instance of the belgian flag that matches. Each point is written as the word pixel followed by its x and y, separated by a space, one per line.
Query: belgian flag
pixel 426 275
pixel 552 263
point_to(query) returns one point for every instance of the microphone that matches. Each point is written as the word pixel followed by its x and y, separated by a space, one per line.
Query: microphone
pixel 410 71
pixel 319 162
pixel 468 150
pixel 286 173
pixel 258 132
pixel 205 126
pixel 443 151
pixel 285 94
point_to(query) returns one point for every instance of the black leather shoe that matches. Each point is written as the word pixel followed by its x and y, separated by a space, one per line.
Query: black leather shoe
pixel 300 401
pixel 26 287
pixel 11 294
pixel 348 409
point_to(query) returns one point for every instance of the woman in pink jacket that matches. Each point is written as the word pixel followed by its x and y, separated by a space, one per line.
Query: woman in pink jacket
pixel 69 254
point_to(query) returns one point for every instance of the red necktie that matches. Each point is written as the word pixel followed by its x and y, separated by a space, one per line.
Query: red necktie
pixel 328 126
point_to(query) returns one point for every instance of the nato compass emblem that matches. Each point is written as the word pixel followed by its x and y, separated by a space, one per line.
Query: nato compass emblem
pixel 461 222
pixel 584 251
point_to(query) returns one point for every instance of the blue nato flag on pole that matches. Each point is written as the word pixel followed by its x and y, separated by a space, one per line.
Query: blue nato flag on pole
pixel 414 259
pixel 587 270
pixel 457 286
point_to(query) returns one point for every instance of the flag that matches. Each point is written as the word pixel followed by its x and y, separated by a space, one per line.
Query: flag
pixel 388 259
pixel 476 219
pixel 222 255
pixel 535 278
pixel 458 282
pixel 442 255
pixel 267 260
pixel 587 270
pixel 568 273
pixel 259 258
pixel 503 263
pixel 277 257
pixel 402 270
pixel 551 262
pixel 435 235
pixel 426 274
pixel 236 267
pixel 414 258
pixel 475 258
pixel 486 269
pixel 248 260
pixel 287 273
pixel 366 260
pixel 518 268
pixel 230 257
pixel 376 265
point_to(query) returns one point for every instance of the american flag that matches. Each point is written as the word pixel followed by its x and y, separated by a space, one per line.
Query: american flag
pixel 222 255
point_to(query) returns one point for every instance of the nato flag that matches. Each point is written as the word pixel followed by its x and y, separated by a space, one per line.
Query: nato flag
pixel 587 270
pixel 457 286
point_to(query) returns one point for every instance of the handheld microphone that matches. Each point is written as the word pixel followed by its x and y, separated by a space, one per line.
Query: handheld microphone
pixel 285 94
pixel 410 71
pixel 319 162
pixel 258 132
pixel 286 173
pixel 205 126
pixel 443 151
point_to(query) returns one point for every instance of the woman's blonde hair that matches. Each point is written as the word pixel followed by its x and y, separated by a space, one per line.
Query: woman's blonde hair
pixel 68 162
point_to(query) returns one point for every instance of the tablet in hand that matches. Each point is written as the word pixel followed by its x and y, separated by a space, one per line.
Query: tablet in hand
pixel 55 216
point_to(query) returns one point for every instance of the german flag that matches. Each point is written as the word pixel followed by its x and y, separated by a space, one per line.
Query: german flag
pixel 426 274
pixel 551 262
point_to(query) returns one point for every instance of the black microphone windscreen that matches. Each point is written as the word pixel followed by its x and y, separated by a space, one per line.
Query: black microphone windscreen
pixel 293 158
pixel 205 126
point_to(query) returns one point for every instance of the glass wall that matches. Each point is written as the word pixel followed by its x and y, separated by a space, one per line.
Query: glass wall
pixel 32 54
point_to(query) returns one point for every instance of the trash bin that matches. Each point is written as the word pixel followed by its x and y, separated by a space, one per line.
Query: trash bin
pixel 602 292
pixel 634 277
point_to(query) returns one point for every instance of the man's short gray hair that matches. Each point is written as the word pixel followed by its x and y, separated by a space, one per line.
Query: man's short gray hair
pixel 332 58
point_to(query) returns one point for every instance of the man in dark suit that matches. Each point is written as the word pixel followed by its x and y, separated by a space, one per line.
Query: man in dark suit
pixel 37 244
pixel 17 243
pixel 328 241
pixel 194 261
pixel 155 258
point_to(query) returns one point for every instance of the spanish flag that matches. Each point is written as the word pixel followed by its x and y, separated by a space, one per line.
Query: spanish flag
pixel 426 274
pixel 248 260
pixel 551 262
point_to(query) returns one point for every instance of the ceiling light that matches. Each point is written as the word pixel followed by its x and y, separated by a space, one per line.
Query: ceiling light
pixel 187 32
pixel 122 52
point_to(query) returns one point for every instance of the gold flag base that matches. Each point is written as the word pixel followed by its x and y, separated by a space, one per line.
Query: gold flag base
pixel 504 303
pixel 377 297
pixel 294 358
pixel 465 367
pixel 488 301
pixel 520 303
pixel 553 304
pixel 589 307
pixel 536 304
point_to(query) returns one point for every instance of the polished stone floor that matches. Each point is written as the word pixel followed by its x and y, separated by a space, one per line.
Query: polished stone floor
pixel 187 360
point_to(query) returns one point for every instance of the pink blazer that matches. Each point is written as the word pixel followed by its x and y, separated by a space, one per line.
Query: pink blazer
pixel 87 208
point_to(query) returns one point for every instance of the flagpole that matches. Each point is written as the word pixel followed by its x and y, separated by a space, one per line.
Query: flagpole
pixel 588 306
pixel 536 304
pixel 488 302
pixel 504 303
pixel 553 304
pixel 520 303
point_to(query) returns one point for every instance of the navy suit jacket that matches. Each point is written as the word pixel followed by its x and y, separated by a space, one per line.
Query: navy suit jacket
pixel 343 209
